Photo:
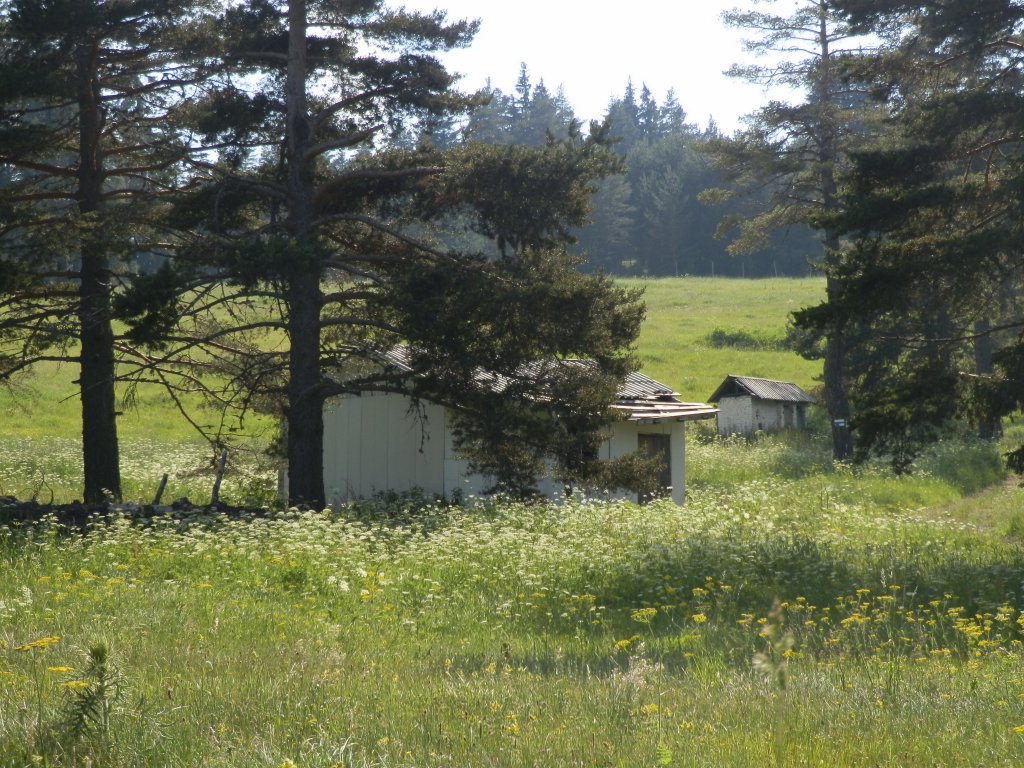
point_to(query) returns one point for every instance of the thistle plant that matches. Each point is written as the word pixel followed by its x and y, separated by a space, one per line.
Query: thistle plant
pixel 90 701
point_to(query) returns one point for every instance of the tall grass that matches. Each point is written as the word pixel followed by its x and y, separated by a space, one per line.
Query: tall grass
pixel 591 633
pixel 49 470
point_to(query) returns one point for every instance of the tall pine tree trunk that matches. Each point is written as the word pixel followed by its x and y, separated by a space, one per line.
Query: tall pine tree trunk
pixel 99 420
pixel 834 374
pixel 305 401
pixel 836 399
pixel 305 404
pixel 989 427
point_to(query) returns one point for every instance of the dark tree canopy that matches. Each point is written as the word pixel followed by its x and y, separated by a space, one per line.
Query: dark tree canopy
pixel 934 212
pixel 648 219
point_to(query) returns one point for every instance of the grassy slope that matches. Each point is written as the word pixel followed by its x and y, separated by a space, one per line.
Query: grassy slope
pixel 40 445
pixel 682 312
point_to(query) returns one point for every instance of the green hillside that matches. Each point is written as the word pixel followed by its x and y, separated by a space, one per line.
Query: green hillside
pixel 683 313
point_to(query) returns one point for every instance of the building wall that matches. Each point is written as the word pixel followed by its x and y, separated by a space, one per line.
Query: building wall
pixel 736 415
pixel 744 415
pixel 768 417
pixel 374 442
pixel 624 439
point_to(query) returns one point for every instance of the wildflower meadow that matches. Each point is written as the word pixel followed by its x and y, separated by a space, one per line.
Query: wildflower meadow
pixel 796 615
pixel 792 613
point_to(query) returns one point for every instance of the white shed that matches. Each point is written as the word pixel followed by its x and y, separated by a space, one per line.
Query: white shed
pixel 747 405
pixel 378 442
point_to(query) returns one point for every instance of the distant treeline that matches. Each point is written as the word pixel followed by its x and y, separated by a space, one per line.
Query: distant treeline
pixel 648 220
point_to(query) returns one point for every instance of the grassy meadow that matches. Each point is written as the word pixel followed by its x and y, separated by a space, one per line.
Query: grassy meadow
pixel 685 341
pixel 791 614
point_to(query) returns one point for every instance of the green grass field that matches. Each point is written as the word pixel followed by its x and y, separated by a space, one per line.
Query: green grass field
pixel 784 617
pixel 683 313
pixel 791 614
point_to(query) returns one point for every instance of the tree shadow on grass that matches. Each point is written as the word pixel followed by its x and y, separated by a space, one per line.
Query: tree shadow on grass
pixel 680 600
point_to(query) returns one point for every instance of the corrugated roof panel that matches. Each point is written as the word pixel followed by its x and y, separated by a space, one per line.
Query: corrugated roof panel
pixel 637 385
pixel 399 357
pixel 664 410
pixel 763 389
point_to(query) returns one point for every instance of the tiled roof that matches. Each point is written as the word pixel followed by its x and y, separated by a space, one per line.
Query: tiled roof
pixel 763 389
pixel 639 397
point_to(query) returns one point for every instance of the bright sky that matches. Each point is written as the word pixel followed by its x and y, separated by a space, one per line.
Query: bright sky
pixel 593 48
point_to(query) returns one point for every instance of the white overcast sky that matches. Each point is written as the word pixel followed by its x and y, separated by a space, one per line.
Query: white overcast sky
pixel 592 48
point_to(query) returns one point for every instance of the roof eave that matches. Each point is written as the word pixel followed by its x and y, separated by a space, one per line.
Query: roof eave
pixel 637 413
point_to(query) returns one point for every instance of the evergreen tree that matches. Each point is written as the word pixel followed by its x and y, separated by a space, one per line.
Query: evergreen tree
pixel 88 137
pixel 935 216
pixel 337 240
pixel 607 240
pixel 528 118
pixel 490 121
pixel 794 151
pixel 675 231
pixel 524 93
pixel 624 116
pixel 545 117
pixel 671 115
pixel 648 119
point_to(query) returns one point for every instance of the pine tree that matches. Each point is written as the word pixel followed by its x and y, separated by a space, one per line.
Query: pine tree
pixel 490 121
pixel 795 151
pixel 608 240
pixel 671 115
pixel 934 214
pixel 648 116
pixel 676 234
pixel 624 116
pixel 546 117
pixel 312 224
pixel 524 93
pixel 88 92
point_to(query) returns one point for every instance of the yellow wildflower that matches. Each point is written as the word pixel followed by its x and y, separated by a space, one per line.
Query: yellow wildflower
pixel 644 615
pixel 39 645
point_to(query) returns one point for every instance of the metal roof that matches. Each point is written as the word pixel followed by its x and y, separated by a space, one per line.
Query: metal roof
pixel 639 397
pixel 763 389
pixel 647 401
pixel 656 411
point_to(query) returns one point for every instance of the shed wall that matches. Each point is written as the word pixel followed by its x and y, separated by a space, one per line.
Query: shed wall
pixel 624 439
pixel 736 415
pixel 768 416
pixel 374 442
pixel 744 415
